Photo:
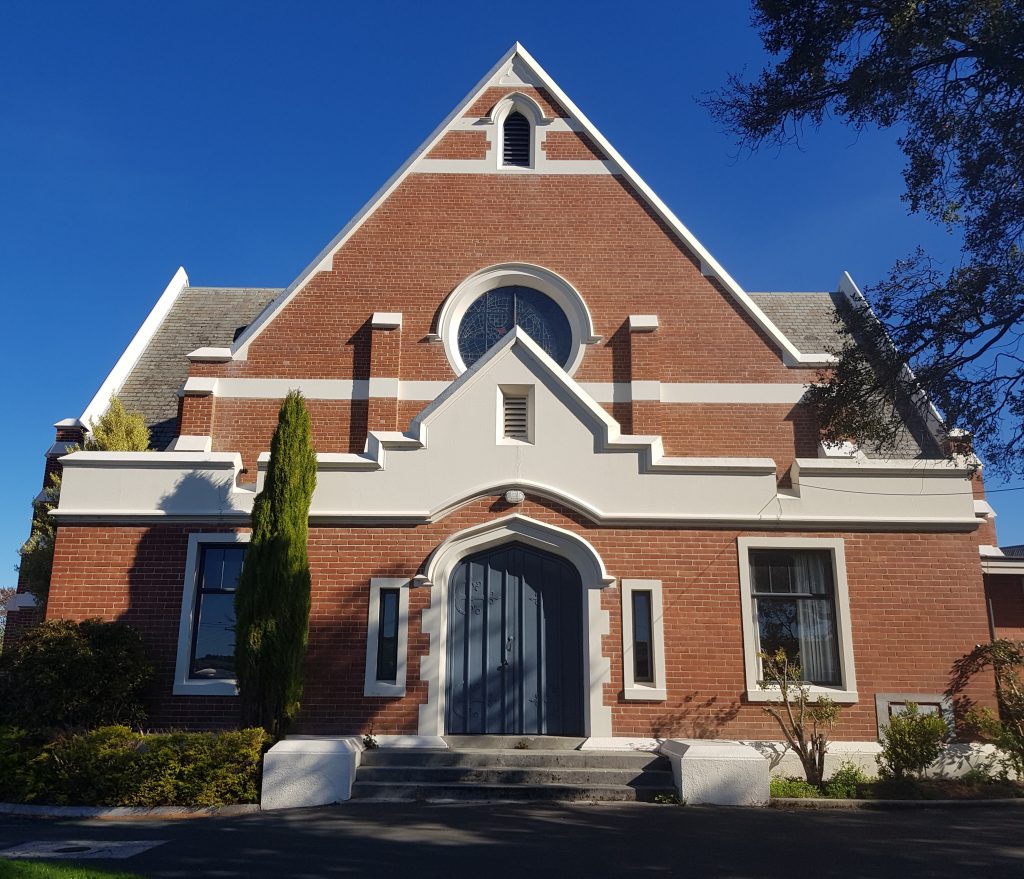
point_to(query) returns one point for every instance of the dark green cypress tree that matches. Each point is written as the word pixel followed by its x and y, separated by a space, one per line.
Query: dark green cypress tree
pixel 272 601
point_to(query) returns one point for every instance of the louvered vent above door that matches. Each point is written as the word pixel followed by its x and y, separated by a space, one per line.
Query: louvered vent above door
pixel 515 151
pixel 516 416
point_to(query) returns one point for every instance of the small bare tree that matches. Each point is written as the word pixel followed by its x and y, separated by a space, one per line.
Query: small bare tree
pixel 805 720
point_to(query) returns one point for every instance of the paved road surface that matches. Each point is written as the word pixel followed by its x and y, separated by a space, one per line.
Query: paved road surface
pixel 494 841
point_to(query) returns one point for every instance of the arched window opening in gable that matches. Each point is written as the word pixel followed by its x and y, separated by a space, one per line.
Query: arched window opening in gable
pixel 516 141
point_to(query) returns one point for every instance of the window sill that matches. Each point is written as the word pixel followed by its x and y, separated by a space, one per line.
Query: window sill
pixel 845 697
pixel 644 694
pixel 384 690
pixel 218 687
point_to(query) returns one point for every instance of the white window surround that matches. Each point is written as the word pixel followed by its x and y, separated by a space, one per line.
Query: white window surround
pixel 528 107
pixel 516 274
pixel 632 690
pixel 883 701
pixel 372 686
pixel 847 692
pixel 183 684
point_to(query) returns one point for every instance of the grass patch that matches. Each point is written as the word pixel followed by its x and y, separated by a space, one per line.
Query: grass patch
pixel 45 870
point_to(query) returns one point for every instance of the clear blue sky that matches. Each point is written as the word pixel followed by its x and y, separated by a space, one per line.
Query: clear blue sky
pixel 236 139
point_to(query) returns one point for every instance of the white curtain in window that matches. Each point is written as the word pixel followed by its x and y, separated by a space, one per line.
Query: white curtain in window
pixel 812 576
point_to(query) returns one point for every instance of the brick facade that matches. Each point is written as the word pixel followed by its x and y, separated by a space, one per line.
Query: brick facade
pixel 916 604
pixel 917 600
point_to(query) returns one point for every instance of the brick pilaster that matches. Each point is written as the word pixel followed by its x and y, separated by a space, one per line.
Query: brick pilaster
pixel 385 371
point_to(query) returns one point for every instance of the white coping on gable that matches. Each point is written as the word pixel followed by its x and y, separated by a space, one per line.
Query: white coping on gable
pixel 601 392
pixel 116 377
pixel 451 455
pixel 526 71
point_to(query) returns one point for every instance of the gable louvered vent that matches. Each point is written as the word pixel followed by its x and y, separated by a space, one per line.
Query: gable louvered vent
pixel 516 144
pixel 516 416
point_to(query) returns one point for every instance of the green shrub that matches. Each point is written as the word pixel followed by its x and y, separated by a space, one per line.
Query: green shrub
pixel 18 749
pixel 114 766
pixel 846 782
pixel 67 675
pixel 911 742
pixel 118 430
pixel 793 788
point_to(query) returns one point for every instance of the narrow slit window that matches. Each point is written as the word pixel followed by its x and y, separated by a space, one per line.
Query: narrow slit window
pixel 387 637
pixel 643 644
pixel 515 150
pixel 516 416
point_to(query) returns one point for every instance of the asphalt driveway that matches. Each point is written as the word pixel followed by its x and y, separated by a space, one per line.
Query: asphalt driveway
pixel 528 842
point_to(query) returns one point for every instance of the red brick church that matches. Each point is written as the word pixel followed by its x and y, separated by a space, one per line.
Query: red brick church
pixel 566 485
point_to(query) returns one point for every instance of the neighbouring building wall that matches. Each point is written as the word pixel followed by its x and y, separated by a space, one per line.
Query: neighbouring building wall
pixel 1005 595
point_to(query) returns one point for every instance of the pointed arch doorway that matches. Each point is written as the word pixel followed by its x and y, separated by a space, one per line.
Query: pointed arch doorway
pixel 515 651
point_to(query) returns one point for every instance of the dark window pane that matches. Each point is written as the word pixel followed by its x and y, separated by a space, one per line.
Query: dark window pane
pixel 214 654
pixel 213 640
pixel 805 629
pixel 496 312
pixel 643 647
pixel 387 636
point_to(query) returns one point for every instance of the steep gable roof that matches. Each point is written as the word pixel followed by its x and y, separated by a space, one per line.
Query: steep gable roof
pixel 518 68
pixel 153 367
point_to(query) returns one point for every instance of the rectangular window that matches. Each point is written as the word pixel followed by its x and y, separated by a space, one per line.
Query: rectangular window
pixel 387 636
pixel 794 603
pixel 213 636
pixel 643 646
pixel 643 642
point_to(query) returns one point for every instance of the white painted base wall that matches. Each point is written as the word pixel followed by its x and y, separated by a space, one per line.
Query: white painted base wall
pixel 957 760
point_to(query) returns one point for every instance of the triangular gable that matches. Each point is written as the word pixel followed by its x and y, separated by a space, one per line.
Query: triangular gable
pixel 518 67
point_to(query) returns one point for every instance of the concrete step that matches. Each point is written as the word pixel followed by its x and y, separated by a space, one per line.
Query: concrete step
pixel 504 743
pixel 369 790
pixel 414 757
pixel 510 775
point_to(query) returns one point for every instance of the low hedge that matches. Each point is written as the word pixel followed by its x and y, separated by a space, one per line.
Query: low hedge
pixel 115 766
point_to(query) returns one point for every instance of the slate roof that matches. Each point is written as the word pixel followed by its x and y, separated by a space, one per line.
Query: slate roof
pixel 808 320
pixel 200 316
pixel 1013 552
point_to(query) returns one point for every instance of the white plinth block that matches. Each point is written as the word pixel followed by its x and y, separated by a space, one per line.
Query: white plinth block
pixel 718 772
pixel 309 772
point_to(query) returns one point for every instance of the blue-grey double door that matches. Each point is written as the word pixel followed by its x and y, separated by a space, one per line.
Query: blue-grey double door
pixel 515 645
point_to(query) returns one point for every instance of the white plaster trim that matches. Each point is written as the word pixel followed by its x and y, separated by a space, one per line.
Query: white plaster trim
pixel 386 320
pixel 20 601
pixel 190 443
pixel 209 355
pixel 70 422
pixel 115 378
pixel 1001 565
pixel 846 693
pixel 602 392
pixel 643 323
pixel 593 576
pixel 731 392
pixel 559 167
pixel 983 509
pixel 183 684
pixel 372 686
pixel 200 386
pixel 632 690
pixel 519 57
pixel 564 294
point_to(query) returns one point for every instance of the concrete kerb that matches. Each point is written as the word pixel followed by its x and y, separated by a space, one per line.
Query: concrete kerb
pixel 128 813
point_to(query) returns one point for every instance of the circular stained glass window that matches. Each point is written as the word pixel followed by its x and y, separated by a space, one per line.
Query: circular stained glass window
pixel 495 313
